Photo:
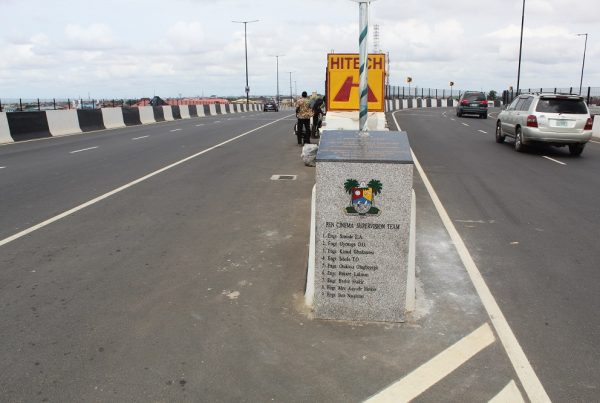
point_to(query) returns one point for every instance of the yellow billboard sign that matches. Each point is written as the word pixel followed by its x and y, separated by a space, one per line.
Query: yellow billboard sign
pixel 343 79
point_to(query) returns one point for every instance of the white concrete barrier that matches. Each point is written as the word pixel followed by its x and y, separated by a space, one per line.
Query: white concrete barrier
pixel 397 104
pixel 184 110
pixel 596 127
pixel 433 103
pixel 405 104
pixel 224 109
pixel 63 122
pixel 168 112
pixel 147 115
pixel 200 110
pixel 5 136
pixel 212 109
pixel 113 118
pixel 444 103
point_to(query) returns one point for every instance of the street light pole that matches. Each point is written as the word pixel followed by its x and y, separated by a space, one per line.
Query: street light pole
pixel 277 97
pixel 291 96
pixel 583 64
pixel 246 51
pixel 520 47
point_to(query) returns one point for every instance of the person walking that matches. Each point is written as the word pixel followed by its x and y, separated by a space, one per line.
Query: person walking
pixel 303 113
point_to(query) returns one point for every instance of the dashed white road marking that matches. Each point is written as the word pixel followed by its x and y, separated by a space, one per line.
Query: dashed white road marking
pixel 452 119
pixel 127 186
pixel 464 124
pixel 510 394
pixel 482 131
pixel 201 124
pixel 2 167
pixel 217 121
pixel 436 369
pixel 139 138
pixel 531 383
pixel 553 160
pixel 83 149
pixel 174 130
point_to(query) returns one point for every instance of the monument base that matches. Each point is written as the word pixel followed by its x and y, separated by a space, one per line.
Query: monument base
pixel 363 205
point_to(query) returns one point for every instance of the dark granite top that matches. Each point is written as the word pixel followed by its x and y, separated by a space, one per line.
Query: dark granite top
pixel 379 147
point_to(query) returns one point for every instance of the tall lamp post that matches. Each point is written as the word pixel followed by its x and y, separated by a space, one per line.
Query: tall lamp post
pixel 277 58
pixel 583 64
pixel 246 51
pixel 291 96
pixel 520 47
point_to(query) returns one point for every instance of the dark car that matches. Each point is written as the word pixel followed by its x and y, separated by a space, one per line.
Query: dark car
pixel 472 102
pixel 271 106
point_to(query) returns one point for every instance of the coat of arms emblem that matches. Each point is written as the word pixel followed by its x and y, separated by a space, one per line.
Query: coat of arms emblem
pixel 362 197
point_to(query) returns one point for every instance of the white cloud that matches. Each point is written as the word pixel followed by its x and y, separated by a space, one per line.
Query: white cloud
pixel 95 36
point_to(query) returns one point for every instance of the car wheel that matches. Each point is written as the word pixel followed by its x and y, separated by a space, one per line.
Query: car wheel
pixel 499 137
pixel 519 141
pixel 459 114
pixel 484 116
pixel 576 149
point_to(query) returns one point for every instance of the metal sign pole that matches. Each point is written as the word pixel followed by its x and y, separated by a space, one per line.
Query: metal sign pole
pixel 363 62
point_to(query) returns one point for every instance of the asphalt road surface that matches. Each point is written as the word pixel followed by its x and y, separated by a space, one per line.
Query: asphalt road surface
pixel 532 223
pixel 162 263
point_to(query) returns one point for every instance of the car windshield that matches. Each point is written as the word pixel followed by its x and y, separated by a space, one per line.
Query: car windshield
pixel 561 105
pixel 479 96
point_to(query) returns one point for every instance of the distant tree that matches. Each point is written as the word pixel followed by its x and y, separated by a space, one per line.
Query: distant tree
pixel 492 95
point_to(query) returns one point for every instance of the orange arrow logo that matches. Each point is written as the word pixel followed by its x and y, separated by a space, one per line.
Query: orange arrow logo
pixel 343 94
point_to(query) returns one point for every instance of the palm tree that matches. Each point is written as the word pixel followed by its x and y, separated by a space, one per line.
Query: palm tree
pixel 350 184
pixel 376 185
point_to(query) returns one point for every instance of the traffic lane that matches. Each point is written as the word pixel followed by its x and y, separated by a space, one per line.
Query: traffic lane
pixel 531 226
pixel 189 287
pixel 53 180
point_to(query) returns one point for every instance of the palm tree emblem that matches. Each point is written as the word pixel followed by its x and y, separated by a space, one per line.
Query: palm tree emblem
pixel 362 197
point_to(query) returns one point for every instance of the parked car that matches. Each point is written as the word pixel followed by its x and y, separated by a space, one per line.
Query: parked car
pixel 271 106
pixel 555 119
pixel 473 102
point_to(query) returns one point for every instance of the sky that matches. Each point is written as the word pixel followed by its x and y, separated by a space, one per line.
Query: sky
pixel 141 48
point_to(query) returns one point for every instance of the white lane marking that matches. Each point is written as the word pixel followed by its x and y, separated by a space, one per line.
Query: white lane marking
pixel 201 124
pixel 482 131
pixel 217 121
pixel 436 369
pixel 531 383
pixel 464 124
pixel 2 167
pixel 126 186
pixel 174 130
pixel 452 119
pixel 139 138
pixel 510 394
pixel 83 149
pixel 553 160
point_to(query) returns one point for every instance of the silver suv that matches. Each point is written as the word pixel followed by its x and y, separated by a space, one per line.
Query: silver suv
pixel 554 119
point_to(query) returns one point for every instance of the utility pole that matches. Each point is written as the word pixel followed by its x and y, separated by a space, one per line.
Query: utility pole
pixel 277 96
pixel 291 96
pixel 520 48
pixel 246 51
pixel 583 64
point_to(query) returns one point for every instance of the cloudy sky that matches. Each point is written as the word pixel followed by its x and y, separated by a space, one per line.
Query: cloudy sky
pixel 135 48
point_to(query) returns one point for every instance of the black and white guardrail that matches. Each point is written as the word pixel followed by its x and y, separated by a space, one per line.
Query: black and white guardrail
pixel 21 126
pixel 396 104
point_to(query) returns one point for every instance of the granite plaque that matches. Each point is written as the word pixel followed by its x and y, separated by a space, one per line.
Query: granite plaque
pixel 363 206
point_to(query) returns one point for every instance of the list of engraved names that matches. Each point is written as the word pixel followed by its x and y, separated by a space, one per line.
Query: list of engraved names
pixel 349 259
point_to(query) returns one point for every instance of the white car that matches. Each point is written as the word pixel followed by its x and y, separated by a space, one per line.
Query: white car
pixel 555 119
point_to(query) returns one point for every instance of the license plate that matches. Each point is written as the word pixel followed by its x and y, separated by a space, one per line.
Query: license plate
pixel 562 123
pixel 474 105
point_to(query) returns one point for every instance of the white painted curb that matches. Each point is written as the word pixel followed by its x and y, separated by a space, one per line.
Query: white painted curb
pixel 184 111
pixel 309 295
pixel 5 136
pixel 63 122
pixel 147 115
pixel 113 118
pixel 168 112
